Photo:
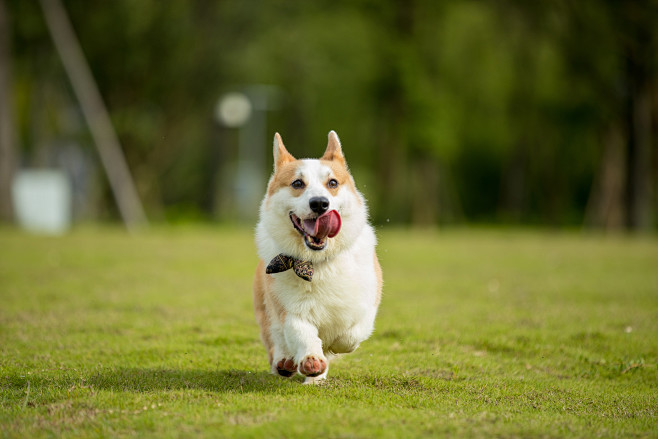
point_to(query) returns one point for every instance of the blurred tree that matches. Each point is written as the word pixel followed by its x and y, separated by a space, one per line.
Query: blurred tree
pixel 638 23
pixel 463 109
pixel 6 120
pixel 414 181
pixel 616 56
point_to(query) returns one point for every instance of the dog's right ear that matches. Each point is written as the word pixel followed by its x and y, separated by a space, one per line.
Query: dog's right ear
pixel 281 154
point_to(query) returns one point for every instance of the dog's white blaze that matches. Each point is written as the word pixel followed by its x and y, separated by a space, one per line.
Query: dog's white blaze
pixel 315 175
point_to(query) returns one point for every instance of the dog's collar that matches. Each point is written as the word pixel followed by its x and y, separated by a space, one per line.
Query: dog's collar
pixel 281 262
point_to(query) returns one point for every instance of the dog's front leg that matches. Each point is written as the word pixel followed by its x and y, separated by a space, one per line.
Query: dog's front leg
pixel 302 338
pixel 282 362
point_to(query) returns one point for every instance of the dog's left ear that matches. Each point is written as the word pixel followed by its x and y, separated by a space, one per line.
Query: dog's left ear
pixel 334 150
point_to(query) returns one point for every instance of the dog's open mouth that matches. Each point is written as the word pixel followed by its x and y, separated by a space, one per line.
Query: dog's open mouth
pixel 316 230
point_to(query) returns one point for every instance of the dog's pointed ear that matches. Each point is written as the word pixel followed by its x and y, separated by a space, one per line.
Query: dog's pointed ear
pixel 334 150
pixel 281 154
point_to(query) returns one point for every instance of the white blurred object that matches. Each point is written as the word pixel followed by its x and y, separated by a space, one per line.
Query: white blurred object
pixel 42 200
pixel 233 109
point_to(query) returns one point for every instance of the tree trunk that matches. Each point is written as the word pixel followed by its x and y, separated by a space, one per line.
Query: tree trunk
pixel 7 155
pixel 605 208
pixel 513 183
pixel 639 163
pixel 639 52
pixel 393 201
pixel 424 192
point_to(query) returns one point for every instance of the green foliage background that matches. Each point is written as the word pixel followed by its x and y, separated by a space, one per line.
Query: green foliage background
pixel 448 111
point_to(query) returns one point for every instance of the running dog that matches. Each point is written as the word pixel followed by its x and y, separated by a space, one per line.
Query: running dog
pixel 318 283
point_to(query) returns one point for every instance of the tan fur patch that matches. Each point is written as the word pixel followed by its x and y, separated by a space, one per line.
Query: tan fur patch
pixel 273 302
pixel 266 306
pixel 283 177
pixel 259 308
pixel 380 280
pixel 340 173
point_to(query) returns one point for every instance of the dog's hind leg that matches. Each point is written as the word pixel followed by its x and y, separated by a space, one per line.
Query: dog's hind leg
pixel 344 345
pixel 351 339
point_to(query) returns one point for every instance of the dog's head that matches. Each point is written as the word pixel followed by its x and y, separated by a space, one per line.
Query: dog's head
pixel 312 208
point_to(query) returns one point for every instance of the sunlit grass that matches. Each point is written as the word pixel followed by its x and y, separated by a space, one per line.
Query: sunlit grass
pixel 480 333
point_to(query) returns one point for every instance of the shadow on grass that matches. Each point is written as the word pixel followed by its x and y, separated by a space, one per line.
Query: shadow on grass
pixel 146 380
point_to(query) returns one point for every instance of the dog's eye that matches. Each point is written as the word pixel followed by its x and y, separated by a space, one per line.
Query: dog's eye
pixel 332 184
pixel 297 184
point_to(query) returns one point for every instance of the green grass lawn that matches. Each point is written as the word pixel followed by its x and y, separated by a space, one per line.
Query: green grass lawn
pixel 480 333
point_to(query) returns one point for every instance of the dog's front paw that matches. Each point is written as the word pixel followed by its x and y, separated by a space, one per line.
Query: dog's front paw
pixel 286 367
pixel 313 365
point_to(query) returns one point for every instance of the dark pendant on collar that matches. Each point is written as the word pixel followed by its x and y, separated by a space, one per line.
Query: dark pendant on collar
pixel 281 262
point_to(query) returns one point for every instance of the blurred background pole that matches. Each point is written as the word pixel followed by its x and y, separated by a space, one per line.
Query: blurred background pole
pixel 7 157
pixel 250 178
pixel 98 119
pixel 246 111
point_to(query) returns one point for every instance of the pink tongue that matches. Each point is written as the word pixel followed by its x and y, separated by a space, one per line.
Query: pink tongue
pixel 327 224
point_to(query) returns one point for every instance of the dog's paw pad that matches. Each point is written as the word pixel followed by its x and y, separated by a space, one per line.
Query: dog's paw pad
pixel 286 367
pixel 312 366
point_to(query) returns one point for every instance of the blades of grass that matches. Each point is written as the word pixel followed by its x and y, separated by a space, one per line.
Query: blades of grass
pixel 27 396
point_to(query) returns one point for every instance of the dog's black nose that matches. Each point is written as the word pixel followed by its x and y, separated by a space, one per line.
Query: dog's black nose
pixel 319 204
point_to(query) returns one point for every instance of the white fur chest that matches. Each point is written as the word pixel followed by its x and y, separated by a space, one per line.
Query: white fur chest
pixel 342 292
pixel 340 284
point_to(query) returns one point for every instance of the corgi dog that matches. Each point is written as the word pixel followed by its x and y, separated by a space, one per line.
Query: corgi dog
pixel 318 283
